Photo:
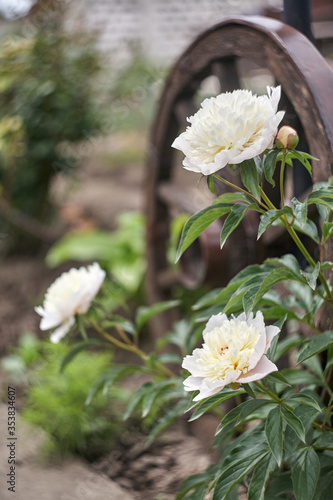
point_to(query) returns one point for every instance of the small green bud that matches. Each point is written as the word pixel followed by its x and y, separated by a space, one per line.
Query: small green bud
pixel 287 138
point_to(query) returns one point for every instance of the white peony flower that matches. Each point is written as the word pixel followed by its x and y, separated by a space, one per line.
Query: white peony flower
pixel 70 294
pixel 233 351
pixel 230 128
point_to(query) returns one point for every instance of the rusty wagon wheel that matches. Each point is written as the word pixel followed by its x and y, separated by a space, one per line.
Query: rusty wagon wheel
pixel 237 53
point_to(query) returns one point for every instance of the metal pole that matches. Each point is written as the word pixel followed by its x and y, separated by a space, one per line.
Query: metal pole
pixel 297 13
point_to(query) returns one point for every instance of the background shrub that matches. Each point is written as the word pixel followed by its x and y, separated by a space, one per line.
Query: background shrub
pixel 46 100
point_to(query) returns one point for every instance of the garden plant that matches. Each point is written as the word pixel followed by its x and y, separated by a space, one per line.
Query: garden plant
pixel 45 106
pixel 277 439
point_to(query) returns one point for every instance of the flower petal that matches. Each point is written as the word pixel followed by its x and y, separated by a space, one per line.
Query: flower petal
pixel 229 128
pixel 70 294
pixel 259 348
pixel 215 321
pixel 190 364
pixel 60 332
pixel 271 331
pixel 263 368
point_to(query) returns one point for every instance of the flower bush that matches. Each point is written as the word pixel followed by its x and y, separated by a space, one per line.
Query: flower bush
pixel 277 438
pixel 43 108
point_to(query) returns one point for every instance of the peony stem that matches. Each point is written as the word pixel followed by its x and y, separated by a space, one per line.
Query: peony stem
pixel 283 164
pixel 269 393
pixel 297 239
pixel 237 188
pixel 134 349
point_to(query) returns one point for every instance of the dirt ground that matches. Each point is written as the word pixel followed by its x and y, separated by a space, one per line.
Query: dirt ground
pixel 95 197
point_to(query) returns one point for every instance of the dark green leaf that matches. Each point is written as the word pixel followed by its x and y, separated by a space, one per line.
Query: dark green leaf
pixel 281 486
pixel 306 414
pixel 322 195
pixel 309 228
pixel 194 482
pixel 294 422
pixel 278 377
pixel 274 433
pixel 327 230
pixel 196 224
pixel 249 390
pixel 144 313
pixel 198 494
pixel 210 184
pixel 296 377
pixel 305 399
pixel 270 165
pixel 154 392
pixel 305 473
pixel 311 277
pixel 232 197
pixel 300 211
pixel 123 323
pixel 303 159
pixel 212 401
pixel 286 345
pixel 318 344
pixel 260 477
pixel 325 440
pixel 233 220
pixel 288 260
pixel 249 177
pixel 271 216
pixel 276 276
pixel 136 399
pixel 233 474
pixel 324 485
pixel 241 412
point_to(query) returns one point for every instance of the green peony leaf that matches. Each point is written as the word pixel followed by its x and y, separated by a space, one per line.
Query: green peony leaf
pixel 300 211
pixel 144 313
pixel 312 276
pixel 260 477
pixel 294 422
pixel 305 473
pixel 270 165
pixel 196 224
pixel 271 216
pixel 249 177
pixel 318 344
pixel 233 474
pixel 212 401
pixel 241 412
pixel 327 230
pixel 233 220
pixel 274 433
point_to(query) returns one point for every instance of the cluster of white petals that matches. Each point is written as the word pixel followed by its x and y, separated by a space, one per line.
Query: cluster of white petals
pixel 230 128
pixel 70 294
pixel 233 352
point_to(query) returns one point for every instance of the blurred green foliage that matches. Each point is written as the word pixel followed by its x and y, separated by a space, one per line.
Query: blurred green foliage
pixel 24 355
pixel 55 401
pixel 46 100
pixel 121 252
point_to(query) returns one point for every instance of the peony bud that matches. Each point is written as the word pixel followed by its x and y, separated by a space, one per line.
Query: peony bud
pixel 287 138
